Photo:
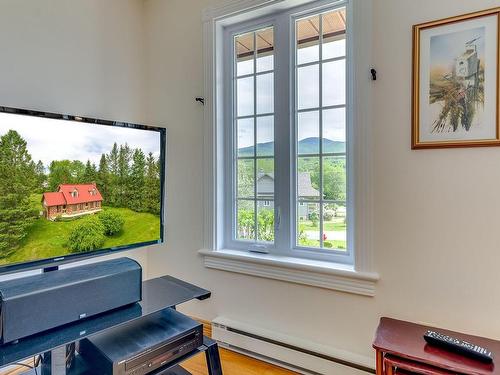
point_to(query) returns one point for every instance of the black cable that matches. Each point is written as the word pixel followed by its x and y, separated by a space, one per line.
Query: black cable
pixel 70 355
pixel 36 362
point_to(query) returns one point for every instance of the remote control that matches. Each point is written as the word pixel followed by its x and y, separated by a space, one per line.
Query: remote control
pixel 459 346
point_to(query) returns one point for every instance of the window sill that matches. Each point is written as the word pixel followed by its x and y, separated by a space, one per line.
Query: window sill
pixel 308 272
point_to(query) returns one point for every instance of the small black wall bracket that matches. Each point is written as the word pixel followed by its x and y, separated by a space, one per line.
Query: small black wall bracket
pixel 373 72
pixel 200 100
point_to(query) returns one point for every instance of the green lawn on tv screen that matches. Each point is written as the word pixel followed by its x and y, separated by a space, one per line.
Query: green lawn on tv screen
pixel 48 239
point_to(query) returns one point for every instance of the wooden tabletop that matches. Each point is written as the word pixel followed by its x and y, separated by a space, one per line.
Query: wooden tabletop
pixel 405 340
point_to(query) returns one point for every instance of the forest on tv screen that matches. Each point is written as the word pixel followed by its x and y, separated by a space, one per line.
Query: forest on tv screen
pixel 128 180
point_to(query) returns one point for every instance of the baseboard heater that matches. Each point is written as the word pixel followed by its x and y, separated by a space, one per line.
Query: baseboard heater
pixel 295 354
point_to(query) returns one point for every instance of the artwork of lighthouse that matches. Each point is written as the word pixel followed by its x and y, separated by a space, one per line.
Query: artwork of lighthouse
pixel 456 88
pixel 456 82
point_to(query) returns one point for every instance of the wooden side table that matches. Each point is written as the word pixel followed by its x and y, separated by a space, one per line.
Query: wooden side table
pixel 402 350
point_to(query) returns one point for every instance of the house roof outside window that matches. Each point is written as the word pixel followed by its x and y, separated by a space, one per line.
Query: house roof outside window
pixel 86 193
pixel 265 185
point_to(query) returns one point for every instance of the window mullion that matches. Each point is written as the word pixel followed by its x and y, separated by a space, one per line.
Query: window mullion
pixel 230 134
pixel 282 136
pixel 255 174
pixel 321 179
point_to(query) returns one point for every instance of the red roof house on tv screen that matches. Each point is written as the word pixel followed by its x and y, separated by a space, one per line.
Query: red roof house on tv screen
pixel 72 200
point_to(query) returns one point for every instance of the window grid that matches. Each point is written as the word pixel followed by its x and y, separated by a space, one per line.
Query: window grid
pixel 255 74
pixel 320 109
pixel 325 108
pixel 325 61
pixel 255 157
pixel 256 116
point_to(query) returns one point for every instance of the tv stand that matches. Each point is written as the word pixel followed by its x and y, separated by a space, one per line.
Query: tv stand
pixel 157 294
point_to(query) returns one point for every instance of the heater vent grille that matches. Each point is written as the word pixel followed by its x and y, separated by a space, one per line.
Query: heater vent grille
pixel 292 353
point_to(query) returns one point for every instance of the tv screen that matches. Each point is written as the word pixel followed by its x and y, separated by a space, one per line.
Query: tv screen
pixel 73 187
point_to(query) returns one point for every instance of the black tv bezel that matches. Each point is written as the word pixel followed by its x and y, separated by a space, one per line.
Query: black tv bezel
pixel 57 261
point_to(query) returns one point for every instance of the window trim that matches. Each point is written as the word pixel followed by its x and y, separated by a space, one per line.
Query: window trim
pixel 214 20
pixel 326 275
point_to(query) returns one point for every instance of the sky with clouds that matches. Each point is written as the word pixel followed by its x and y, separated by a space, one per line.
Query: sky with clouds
pixel 447 47
pixel 50 139
pixel 333 77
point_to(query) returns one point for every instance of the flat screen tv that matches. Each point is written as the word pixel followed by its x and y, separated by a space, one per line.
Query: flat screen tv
pixel 74 187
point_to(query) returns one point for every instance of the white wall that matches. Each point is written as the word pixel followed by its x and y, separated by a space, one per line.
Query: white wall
pixel 80 57
pixel 437 212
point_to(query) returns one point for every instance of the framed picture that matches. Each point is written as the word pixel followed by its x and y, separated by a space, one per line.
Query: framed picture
pixel 456 81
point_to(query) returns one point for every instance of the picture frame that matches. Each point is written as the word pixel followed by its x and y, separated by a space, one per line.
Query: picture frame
pixel 456 73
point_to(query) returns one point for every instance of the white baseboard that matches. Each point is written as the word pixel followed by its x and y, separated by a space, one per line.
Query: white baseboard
pixel 296 354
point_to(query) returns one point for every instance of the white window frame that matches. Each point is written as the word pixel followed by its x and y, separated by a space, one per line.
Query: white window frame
pixel 358 277
pixel 230 135
pixel 322 253
pixel 284 24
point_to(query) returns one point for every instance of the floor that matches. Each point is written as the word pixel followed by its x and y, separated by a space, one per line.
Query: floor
pixel 235 364
pixel 232 364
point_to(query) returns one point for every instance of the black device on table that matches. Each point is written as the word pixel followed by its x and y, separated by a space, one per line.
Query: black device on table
pixel 143 346
pixel 459 346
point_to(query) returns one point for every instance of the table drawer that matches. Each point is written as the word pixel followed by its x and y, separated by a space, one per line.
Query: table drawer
pixel 396 365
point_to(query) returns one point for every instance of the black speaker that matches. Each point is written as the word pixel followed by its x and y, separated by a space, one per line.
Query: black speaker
pixel 33 304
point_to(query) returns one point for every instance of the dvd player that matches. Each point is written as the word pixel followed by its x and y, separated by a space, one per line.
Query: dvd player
pixel 144 345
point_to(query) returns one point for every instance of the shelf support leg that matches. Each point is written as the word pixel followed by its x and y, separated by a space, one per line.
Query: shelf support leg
pixel 213 360
pixel 380 363
pixel 58 360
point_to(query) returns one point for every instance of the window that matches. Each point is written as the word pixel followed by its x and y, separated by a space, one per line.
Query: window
pixel 253 101
pixel 315 233
pixel 320 108
pixel 299 210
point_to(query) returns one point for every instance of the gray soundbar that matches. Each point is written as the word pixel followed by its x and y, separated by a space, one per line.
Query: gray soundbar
pixel 34 304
